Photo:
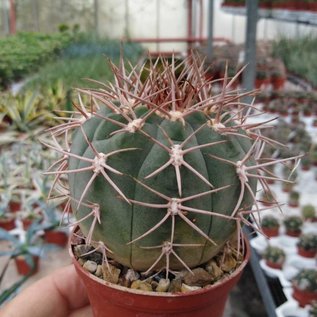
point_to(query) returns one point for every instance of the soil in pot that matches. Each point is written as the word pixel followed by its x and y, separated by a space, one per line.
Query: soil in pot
pixel 203 294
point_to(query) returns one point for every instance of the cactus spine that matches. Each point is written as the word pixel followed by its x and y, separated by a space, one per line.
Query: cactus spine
pixel 162 172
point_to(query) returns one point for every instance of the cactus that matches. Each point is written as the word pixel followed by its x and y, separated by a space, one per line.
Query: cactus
pixel 162 171
pixel 274 255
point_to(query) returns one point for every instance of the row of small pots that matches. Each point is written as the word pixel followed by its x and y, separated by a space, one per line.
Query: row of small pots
pixel 275 258
pixel 277 5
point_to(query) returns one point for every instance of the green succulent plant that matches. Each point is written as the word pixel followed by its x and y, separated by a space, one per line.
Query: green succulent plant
pixel 308 212
pixel 270 222
pixel 308 242
pixel 294 197
pixel 306 280
pixel 274 255
pixel 162 171
pixel 25 112
pixel 293 223
pixel 23 243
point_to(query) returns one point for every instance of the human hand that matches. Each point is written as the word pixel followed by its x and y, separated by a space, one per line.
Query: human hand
pixel 60 294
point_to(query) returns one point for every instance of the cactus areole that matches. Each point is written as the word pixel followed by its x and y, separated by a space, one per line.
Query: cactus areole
pixel 162 172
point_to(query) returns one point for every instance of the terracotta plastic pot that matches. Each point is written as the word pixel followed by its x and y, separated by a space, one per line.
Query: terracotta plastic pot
pixel 261 82
pixel 278 83
pixel 274 265
pixel 306 253
pixel 293 233
pixel 7 224
pixel 24 268
pixel 113 300
pixel 56 237
pixel 306 168
pixel 307 113
pixel 289 5
pixel 304 297
pixel 271 232
pixel 27 223
pixel 293 204
pixel 287 187
pixel 312 6
pixel 15 206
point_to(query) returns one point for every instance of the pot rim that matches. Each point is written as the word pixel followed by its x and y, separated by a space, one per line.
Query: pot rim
pixel 207 288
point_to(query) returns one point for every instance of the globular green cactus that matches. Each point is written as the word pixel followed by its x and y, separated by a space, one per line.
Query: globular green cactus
pixel 162 171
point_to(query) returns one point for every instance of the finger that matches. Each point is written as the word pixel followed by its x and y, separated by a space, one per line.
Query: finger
pixel 82 312
pixel 55 295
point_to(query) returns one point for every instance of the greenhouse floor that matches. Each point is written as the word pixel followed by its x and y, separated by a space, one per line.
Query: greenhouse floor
pixel 243 301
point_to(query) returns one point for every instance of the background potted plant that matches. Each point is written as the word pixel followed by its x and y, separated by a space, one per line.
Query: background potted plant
pixel 313 154
pixel 55 231
pixel 293 226
pixel 277 74
pixel 307 111
pixel 307 245
pixel 7 219
pixel 262 78
pixel 274 257
pixel 30 214
pixel 270 226
pixel 305 286
pixel 25 248
pixel 293 200
pixel 306 163
pixel 268 198
pixel 15 203
pixel 130 166
pixel 292 176
pixel 277 79
pixel 309 213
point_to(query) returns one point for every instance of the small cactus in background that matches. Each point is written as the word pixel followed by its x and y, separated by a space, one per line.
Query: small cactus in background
pixel 305 286
pixel 308 212
pixel 293 225
pixel 162 171
pixel 307 245
pixel 274 257
pixel 270 226
pixel 306 280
